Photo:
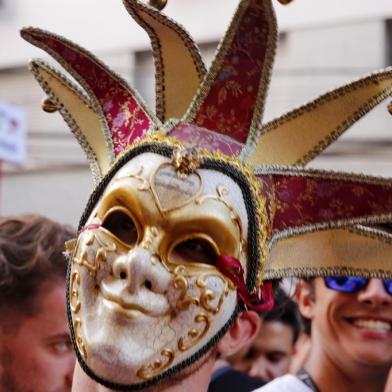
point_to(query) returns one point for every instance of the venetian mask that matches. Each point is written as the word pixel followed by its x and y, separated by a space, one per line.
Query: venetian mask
pixel 145 292
pixel 172 243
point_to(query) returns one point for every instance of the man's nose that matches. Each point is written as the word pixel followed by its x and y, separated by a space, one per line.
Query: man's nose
pixel 375 293
pixel 259 369
pixel 140 268
pixel 70 367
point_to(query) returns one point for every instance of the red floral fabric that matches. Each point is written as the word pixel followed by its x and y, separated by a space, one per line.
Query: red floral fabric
pixel 126 119
pixel 230 104
pixel 296 201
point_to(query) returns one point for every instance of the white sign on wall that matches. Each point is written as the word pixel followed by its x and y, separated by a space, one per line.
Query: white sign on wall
pixel 12 133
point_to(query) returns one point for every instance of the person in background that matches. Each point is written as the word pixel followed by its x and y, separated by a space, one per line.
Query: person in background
pixel 351 340
pixel 269 355
pixel 35 348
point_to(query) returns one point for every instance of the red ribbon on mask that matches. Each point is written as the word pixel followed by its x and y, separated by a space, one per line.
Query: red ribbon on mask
pixel 261 301
pixel 91 226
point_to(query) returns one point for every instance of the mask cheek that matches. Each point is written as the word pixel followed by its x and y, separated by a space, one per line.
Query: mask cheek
pixel 91 263
pixel 202 303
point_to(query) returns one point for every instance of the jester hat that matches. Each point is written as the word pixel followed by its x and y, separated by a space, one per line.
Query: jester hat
pixel 173 240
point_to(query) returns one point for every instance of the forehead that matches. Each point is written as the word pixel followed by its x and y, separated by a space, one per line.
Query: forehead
pixel 50 304
pixel 145 165
pixel 274 334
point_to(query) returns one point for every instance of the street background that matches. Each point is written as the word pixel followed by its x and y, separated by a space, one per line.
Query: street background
pixel 322 44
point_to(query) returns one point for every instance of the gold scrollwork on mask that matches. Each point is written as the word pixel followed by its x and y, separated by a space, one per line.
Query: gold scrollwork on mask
pixel 180 283
pixel 151 233
pixel 74 299
pixel 100 256
pixel 90 238
pixel 194 335
pixel 147 372
pixel 79 341
pixel 69 247
pixel 144 184
pixel 208 295
pixel 221 193
pixel 106 246
pixel 186 161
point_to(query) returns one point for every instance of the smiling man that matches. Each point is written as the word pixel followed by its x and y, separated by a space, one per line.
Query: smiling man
pixel 35 346
pixel 351 335
pixel 351 339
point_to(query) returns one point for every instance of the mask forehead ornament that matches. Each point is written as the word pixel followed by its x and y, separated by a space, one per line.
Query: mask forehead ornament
pixel 175 184
pixel 172 243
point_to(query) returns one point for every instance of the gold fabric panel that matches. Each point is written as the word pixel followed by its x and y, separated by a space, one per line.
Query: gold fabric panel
pixel 300 135
pixel 330 252
pixel 76 108
pixel 180 76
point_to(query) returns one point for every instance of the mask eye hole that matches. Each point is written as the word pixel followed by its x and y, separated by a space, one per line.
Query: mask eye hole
pixel 122 226
pixel 194 250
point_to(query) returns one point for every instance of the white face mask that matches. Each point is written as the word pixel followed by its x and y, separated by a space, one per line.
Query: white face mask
pixel 144 293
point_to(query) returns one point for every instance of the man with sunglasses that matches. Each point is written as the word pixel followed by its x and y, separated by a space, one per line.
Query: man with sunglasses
pixel 351 336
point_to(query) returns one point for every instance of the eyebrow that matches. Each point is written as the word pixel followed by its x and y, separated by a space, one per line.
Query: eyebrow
pixel 276 352
pixel 56 337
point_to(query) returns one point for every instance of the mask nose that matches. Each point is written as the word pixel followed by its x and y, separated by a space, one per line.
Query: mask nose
pixel 138 269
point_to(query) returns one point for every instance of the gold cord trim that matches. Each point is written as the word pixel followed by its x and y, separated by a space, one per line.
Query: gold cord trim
pixel 135 8
pixel 324 99
pixel 92 159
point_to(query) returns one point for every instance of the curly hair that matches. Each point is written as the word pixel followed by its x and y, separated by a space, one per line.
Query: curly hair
pixel 31 249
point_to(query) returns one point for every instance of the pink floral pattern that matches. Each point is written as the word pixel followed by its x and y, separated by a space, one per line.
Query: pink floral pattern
pixel 126 119
pixel 230 104
pixel 205 139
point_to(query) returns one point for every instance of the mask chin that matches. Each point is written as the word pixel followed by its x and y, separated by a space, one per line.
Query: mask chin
pixel 137 316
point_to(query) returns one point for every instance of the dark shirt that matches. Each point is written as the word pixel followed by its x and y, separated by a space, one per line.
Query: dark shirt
pixel 227 379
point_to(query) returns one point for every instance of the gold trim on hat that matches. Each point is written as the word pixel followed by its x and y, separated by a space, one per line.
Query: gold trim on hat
pixel 80 115
pixel 179 68
pixel 295 138
pixel 330 252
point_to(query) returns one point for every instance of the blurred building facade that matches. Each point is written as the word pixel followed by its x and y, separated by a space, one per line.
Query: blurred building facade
pixel 321 45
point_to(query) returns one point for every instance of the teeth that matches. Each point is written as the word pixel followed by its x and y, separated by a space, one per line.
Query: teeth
pixel 375 325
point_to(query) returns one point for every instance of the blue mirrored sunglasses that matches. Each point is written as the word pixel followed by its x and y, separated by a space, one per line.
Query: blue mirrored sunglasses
pixel 352 284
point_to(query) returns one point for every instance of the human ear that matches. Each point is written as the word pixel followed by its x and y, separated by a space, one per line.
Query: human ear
pixel 242 333
pixel 305 299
